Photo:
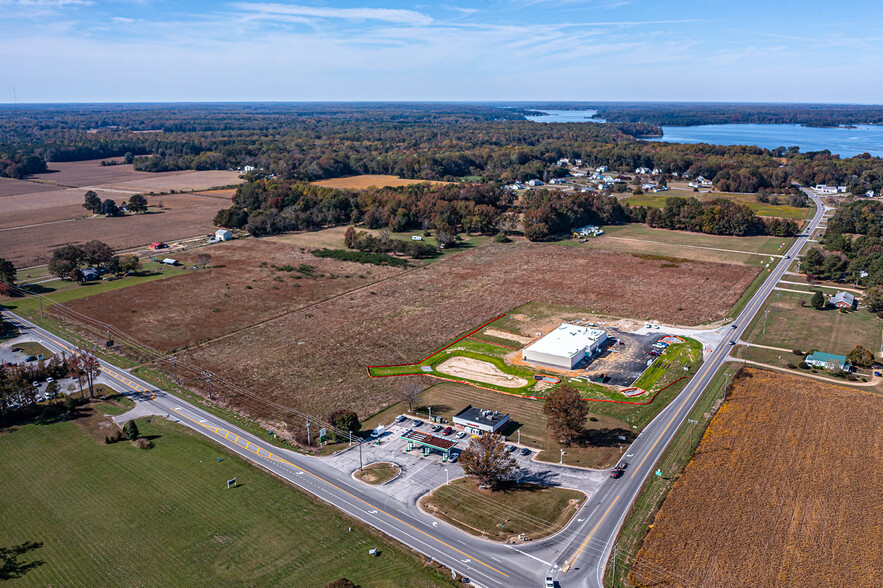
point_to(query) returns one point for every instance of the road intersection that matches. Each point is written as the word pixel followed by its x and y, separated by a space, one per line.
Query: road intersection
pixel 576 556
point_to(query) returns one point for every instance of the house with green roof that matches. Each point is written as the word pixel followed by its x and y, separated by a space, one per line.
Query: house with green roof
pixel 828 361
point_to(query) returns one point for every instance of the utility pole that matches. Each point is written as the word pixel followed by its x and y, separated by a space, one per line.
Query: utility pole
pixel 614 564
pixel 430 413
pixel 174 361
pixel 561 459
pixel 726 386
pixel 40 298
pixel 351 438
pixel 309 440
pixel 208 378
pixel 519 436
pixel 765 313
pixel 692 425
pixel 360 454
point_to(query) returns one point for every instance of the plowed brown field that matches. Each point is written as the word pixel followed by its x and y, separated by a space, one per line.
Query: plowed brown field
pixel 315 358
pixel 784 491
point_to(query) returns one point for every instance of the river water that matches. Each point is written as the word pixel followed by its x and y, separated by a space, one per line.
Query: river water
pixel 839 141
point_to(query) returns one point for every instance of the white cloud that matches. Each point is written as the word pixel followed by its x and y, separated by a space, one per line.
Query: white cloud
pixel 393 15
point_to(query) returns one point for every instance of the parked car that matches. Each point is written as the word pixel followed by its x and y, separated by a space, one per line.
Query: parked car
pixel 436 428
pixel 549 583
pixel 49 380
pixel 461 434
pixel 36 384
pixel 15 349
pixel 525 451
pixel 454 457
pixel 510 448
pixel 31 358
pixel 418 423
pixel 447 431
pixel 400 418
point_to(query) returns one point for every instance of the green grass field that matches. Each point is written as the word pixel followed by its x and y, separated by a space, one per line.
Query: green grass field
pixel 759 208
pixel 66 290
pixel 791 326
pixel 114 515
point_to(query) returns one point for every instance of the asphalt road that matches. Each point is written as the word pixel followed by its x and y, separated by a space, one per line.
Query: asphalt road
pixel 587 553
pixel 582 548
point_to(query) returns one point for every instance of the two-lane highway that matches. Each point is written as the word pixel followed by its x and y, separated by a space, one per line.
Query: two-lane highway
pixel 582 549
pixel 585 565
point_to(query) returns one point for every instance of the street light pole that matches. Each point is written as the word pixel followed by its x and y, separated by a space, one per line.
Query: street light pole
pixel 309 441
pixel 561 460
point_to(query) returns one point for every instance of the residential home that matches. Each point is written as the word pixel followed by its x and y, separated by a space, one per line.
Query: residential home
pixel 601 169
pixel 843 300
pixel 642 170
pixel 657 172
pixel 828 361
pixel 534 183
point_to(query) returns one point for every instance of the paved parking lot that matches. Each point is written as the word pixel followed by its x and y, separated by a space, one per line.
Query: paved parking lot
pixel 420 474
pixel 623 364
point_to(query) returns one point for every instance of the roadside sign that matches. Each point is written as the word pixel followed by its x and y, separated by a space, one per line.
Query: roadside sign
pixel 231 483
pixel 322 435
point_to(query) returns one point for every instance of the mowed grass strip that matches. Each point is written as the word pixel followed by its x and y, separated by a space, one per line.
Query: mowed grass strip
pixel 377 473
pixel 537 511
pixel 113 515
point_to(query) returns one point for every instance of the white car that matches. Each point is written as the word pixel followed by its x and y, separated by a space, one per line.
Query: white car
pixel 460 435
pixel 36 384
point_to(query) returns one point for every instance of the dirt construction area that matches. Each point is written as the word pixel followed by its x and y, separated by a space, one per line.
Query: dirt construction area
pixel 314 358
pixel 784 490
pixel 46 210
pixel 479 371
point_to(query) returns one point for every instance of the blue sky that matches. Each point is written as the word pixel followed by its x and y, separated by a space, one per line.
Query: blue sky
pixel 690 50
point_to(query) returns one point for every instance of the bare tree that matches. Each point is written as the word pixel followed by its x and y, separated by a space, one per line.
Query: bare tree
pixel 487 460
pixel 410 392
pixel 565 413
pixel 203 259
pixel 87 367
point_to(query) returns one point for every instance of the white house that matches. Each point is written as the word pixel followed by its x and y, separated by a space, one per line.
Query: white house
pixel 587 231
pixel 563 161
pixel 656 171
pixel 557 181
pixel 223 235
pixel 534 183
pixel 642 170
pixel 565 347
pixel 825 189
pixel 602 169
pixel 248 168
pixel 870 193
pixel 648 187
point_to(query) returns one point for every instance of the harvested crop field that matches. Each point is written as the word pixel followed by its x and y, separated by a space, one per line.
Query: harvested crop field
pixel 784 490
pixel 80 174
pixel 370 180
pixel 181 216
pixel 246 281
pixel 479 371
pixel 315 358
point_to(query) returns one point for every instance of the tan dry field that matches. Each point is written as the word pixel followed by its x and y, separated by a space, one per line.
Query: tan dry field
pixel 183 215
pixel 370 180
pixel 479 371
pixel 234 292
pixel 784 491
pixel 40 213
pixel 315 359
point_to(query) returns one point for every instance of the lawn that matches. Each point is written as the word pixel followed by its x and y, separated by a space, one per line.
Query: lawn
pixel 377 473
pixel 116 515
pixel 537 511
pixel 791 326
pixel 759 208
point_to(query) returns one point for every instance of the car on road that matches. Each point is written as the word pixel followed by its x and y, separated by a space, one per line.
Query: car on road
pixel 400 418
pixel 616 473
pixel 731 342
pixel 787 257
pixel 525 451
pixel 447 431
pixel 734 326
pixel 461 434
pixel 549 583
pixel 418 423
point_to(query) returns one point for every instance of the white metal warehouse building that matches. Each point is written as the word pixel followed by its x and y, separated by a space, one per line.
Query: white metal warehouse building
pixel 565 347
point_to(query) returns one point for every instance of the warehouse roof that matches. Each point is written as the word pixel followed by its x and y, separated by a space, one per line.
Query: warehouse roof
pixel 567 340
